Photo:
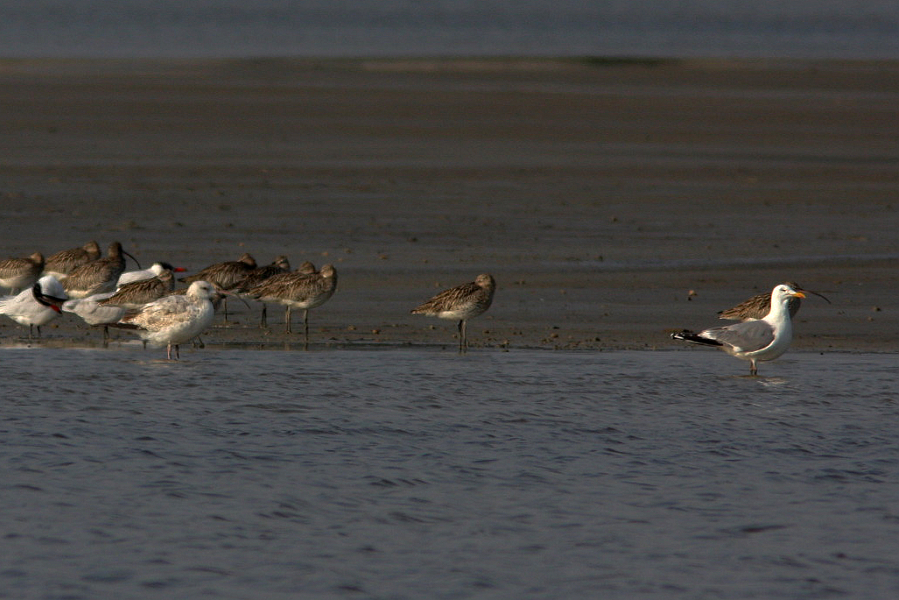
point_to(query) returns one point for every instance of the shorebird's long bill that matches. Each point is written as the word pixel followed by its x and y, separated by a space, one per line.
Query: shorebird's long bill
pixel 817 294
pixel 132 258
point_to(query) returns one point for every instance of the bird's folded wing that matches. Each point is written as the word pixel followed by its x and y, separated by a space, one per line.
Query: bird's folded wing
pixel 164 312
pixel 747 336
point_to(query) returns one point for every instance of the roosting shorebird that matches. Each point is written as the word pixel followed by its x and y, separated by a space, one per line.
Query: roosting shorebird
pixel 64 262
pixel 16 274
pixel 224 275
pixel 256 276
pixel 753 340
pixel 759 305
pixel 98 276
pixel 137 293
pixel 35 306
pixel 266 275
pixel 176 319
pixel 461 303
pixel 298 290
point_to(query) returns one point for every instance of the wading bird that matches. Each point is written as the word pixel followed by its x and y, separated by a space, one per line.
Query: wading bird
pixel 461 303
pixel 753 340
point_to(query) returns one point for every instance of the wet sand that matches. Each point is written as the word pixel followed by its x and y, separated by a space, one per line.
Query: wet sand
pixel 613 201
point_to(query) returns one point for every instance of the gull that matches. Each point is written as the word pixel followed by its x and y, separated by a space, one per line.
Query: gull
pixel 759 305
pixel 155 270
pixel 175 319
pixel 97 276
pixel 753 340
pixel 65 261
pixel 224 275
pixel 93 312
pixel 461 303
pixel 35 306
pixel 298 290
pixel 20 273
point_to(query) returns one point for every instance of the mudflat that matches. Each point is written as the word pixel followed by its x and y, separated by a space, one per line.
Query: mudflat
pixel 614 201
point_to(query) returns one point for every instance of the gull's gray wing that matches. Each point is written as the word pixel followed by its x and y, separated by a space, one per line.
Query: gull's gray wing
pixel 747 336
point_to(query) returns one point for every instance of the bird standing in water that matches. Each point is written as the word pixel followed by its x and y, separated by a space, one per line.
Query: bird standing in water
pixel 176 319
pixel 461 303
pixel 753 340
pixel 298 290
pixel 225 275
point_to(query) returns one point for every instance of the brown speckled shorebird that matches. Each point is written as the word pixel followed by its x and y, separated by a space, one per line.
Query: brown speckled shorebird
pixel 225 275
pixel 97 276
pixel 18 274
pixel 259 274
pixel 254 280
pixel 298 290
pixel 65 261
pixel 760 305
pixel 461 303
pixel 137 293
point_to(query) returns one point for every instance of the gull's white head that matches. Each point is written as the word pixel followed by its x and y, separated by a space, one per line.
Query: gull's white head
pixel 782 293
pixel 202 289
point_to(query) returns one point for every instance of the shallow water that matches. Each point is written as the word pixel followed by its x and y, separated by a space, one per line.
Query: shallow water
pixel 416 473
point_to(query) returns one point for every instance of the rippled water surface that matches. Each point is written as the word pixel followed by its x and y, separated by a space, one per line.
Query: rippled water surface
pixel 409 473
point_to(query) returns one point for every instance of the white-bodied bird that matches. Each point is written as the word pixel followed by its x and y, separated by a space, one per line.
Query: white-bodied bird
pixel 753 340
pixel 36 306
pixel 175 319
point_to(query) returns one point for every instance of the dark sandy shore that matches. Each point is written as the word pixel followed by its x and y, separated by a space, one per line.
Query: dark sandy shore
pixel 614 201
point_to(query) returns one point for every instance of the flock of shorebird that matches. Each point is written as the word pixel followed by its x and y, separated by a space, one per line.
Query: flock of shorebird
pixel 102 293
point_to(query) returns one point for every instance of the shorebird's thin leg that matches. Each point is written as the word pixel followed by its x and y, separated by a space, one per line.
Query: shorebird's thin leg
pixel 263 322
pixel 225 308
pixel 177 352
pixel 168 351
pixel 753 370
pixel 306 329
pixel 287 318
pixel 462 342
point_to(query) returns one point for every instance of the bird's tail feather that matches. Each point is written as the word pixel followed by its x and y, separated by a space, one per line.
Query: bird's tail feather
pixel 689 336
